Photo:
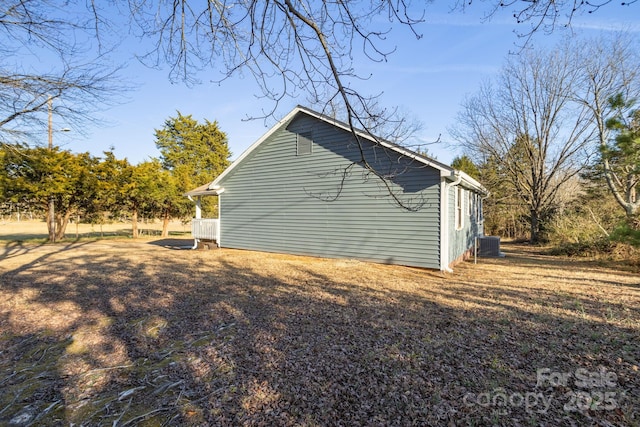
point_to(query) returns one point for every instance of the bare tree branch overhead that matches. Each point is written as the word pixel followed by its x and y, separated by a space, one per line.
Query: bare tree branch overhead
pixel 48 53
pixel 292 48
pixel 531 17
pixel 77 91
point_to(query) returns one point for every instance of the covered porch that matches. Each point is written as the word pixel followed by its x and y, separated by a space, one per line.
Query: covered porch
pixel 204 229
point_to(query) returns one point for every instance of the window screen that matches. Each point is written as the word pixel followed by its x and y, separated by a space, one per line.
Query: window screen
pixel 305 144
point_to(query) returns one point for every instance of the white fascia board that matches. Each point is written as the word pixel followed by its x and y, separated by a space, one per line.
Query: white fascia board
pixel 467 181
pixel 253 146
pixel 472 184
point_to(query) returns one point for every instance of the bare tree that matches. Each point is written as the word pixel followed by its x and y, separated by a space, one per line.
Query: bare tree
pixel 28 25
pixel 529 124
pixel 291 47
pixel 77 91
pixel 42 58
pixel 609 90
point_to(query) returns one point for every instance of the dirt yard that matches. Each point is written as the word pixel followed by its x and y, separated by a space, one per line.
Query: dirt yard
pixel 141 333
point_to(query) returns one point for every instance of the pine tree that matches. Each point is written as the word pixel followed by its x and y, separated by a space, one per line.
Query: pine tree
pixel 194 154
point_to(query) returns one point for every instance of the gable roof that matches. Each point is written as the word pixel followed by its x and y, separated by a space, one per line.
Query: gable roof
pixel 445 171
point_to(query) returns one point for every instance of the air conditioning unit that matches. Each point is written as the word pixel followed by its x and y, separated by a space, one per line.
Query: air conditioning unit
pixel 489 246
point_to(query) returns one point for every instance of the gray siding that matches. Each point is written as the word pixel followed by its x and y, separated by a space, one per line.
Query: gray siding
pixel 324 204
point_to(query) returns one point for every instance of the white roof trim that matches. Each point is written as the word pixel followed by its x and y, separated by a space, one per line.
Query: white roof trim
pixel 445 171
pixel 253 146
pixel 467 181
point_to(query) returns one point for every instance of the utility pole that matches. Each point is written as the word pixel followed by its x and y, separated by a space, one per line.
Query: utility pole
pixel 51 217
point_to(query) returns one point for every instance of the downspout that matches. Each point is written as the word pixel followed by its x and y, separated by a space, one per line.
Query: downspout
pixel 444 265
pixel 219 218
pixel 481 209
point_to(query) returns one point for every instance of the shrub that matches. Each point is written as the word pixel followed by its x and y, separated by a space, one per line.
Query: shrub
pixel 590 247
pixel 626 233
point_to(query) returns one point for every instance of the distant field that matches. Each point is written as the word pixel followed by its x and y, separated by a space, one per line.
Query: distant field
pixel 36 229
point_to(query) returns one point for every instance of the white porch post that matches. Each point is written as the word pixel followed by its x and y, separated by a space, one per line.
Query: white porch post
pixel 193 223
pixel 198 207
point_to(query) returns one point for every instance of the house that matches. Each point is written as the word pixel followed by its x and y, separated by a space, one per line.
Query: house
pixel 304 189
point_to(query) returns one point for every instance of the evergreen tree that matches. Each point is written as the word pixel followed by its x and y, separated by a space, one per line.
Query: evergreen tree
pixel 194 154
pixel 466 165
pixel 144 191
pixel 114 182
pixel 39 174
pixel 198 151
pixel 620 157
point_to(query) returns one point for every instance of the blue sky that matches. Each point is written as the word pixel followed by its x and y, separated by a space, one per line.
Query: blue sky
pixel 427 78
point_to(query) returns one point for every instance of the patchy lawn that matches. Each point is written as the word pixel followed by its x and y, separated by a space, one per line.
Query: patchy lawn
pixel 134 333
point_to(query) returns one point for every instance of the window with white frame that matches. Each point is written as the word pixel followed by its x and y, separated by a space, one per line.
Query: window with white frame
pixel 459 199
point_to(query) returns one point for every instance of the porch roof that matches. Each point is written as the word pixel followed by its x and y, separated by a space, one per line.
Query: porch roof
pixel 203 190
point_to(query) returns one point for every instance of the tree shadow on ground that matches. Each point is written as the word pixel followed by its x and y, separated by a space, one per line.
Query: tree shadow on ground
pixel 15 248
pixel 122 333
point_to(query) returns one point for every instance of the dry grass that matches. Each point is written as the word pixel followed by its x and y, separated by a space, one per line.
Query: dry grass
pixel 135 333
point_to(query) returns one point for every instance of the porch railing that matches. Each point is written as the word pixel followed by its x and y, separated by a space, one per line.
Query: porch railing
pixel 205 229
